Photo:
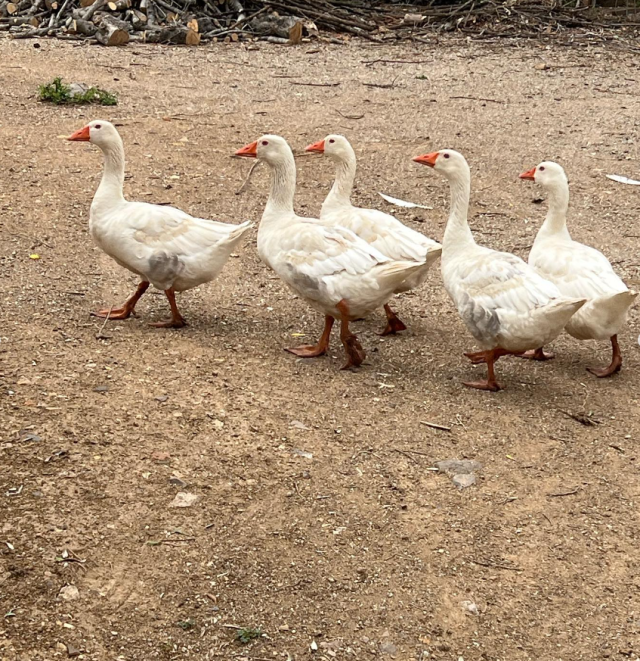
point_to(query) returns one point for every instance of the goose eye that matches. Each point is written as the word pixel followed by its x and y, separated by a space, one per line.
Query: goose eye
pixel 541 168
pixel 97 126
pixel 265 142
pixel 446 155
pixel 332 141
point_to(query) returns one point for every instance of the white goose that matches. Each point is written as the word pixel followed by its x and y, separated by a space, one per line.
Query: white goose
pixel 166 247
pixel 336 272
pixel 504 303
pixel 381 230
pixel 578 270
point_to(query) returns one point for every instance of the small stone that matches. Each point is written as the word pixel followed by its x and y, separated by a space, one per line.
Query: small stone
pixel 388 648
pixel 161 398
pixel 183 499
pixel 78 89
pixel 218 424
pixel 29 437
pixel 177 482
pixel 458 466
pixel 314 646
pixel 101 389
pixel 73 651
pixel 296 424
pixel 303 453
pixel 161 457
pixel 69 593
pixel 470 607
pixel 463 480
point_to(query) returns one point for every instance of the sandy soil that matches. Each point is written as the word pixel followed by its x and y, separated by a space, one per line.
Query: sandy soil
pixel 362 550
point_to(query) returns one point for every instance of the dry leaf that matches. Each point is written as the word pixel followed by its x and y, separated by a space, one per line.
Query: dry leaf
pixel 295 33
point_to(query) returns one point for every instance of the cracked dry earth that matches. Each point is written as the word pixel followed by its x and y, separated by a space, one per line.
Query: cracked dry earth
pixel 318 519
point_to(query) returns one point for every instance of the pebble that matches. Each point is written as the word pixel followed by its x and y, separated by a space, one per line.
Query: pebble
pixel 458 466
pixel 177 482
pixel 470 607
pixel 388 648
pixel 161 457
pixel 69 593
pixel 461 471
pixel 463 480
pixel 73 651
pixel 183 499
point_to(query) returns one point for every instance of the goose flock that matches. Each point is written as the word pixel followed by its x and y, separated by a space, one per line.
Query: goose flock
pixel 350 261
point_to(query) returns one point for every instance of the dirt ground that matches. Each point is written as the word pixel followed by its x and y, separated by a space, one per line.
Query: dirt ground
pixel 362 550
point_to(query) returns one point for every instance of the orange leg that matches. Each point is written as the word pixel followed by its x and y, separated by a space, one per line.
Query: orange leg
pixel 125 310
pixel 479 357
pixel 352 347
pixel 314 350
pixel 538 354
pixel 489 357
pixel 394 323
pixel 616 361
pixel 176 320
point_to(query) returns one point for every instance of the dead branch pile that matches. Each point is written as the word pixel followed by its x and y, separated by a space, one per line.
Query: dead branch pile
pixel 116 22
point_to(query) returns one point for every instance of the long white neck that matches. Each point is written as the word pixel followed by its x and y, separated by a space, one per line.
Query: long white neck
pixel 555 223
pixel 110 190
pixel 340 193
pixel 457 235
pixel 283 186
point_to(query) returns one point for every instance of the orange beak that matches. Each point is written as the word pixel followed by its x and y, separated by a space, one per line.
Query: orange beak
pixel 250 150
pixel 427 159
pixel 317 147
pixel 529 174
pixel 80 136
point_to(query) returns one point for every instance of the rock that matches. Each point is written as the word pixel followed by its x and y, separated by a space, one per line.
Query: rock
pixel 470 607
pixel 387 647
pixel 314 646
pixel 458 466
pixel 183 499
pixel 29 437
pixel 464 480
pixel 296 424
pixel 177 482
pixel 101 389
pixel 461 471
pixel 161 457
pixel 302 453
pixel 73 651
pixel 69 593
pixel 78 89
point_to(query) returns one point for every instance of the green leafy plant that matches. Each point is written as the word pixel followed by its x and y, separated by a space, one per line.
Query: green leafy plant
pixel 247 634
pixel 60 93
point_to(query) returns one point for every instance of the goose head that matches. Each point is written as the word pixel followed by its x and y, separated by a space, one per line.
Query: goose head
pixel 450 163
pixel 272 149
pixel 99 132
pixel 336 147
pixel 547 174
